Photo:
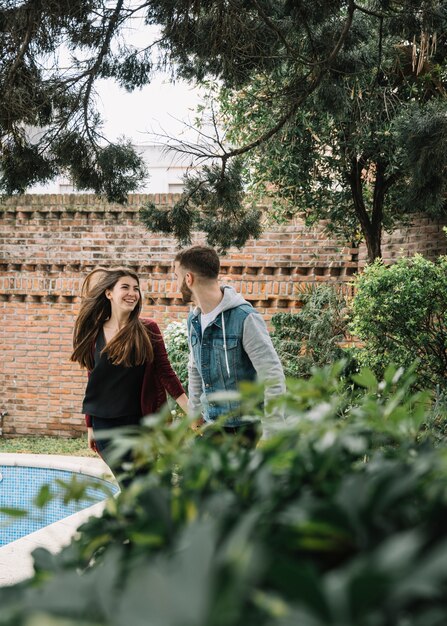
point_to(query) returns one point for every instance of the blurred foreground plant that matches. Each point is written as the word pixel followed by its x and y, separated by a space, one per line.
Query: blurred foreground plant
pixel 338 517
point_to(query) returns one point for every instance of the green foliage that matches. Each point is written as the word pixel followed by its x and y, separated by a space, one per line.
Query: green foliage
pixel 113 171
pixel 48 121
pixel 426 132
pixel 365 149
pixel 176 339
pixel 337 518
pixel 211 202
pixel 400 314
pixel 319 93
pixel 312 337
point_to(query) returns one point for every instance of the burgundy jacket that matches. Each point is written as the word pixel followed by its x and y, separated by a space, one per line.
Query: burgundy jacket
pixel 159 377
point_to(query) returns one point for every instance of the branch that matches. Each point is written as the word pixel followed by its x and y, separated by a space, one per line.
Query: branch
pixel 216 129
pixel 344 32
pixel 99 59
pixel 274 28
pixel 31 27
pixel 324 65
pixel 379 54
pixel 185 200
pixel 202 151
pixel 368 11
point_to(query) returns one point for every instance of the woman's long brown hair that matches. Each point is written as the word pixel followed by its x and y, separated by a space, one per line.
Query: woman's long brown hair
pixel 131 345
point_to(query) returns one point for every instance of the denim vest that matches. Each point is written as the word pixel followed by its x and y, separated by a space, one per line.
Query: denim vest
pixel 211 361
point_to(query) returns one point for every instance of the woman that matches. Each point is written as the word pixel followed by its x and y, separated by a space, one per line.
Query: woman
pixel 129 370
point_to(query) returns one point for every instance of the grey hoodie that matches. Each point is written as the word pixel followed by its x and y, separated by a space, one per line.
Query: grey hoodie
pixel 257 344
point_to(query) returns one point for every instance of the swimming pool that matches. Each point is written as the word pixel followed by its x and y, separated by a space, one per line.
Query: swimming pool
pixel 19 487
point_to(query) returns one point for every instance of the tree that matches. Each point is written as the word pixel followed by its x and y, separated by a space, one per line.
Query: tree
pixel 53 52
pixel 367 148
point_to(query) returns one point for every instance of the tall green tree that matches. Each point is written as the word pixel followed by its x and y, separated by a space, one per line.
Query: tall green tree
pixel 52 54
pixel 368 147
pixel 277 54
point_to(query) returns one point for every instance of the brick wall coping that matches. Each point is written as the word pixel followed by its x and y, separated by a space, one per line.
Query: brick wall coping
pixel 30 202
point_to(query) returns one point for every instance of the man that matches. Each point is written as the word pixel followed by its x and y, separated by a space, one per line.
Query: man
pixel 228 339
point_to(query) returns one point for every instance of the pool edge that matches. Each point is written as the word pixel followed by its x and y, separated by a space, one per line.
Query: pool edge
pixel 16 563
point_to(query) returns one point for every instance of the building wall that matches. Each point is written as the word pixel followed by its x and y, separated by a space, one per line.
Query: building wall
pixel 49 243
pixel 166 170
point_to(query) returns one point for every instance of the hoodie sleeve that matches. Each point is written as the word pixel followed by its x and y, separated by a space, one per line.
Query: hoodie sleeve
pixel 194 386
pixel 259 347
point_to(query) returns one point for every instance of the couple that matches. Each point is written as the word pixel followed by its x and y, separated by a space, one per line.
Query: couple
pixel 129 370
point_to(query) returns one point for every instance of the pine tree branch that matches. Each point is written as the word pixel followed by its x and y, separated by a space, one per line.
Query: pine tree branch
pixel 30 31
pixel 344 33
pixel 313 85
pixel 379 53
pixel 275 29
pixel 92 74
pixel 368 11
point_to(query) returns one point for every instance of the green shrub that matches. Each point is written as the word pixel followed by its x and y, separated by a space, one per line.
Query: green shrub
pixel 337 518
pixel 312 337
pixel 400 314
pixel 176 340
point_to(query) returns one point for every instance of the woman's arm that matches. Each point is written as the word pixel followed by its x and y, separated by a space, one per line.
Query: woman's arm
pixel 182 401
pixel 91 439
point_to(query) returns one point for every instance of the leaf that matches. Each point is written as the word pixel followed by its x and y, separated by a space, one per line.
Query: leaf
pixel 44 496
pixel 13 512
pixel 366 378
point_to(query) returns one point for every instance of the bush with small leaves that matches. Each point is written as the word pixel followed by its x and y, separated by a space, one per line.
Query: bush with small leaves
pixel 312 337
pixel 400 315
pixel 176 339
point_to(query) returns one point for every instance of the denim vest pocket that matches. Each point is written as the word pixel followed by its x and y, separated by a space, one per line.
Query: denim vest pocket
pixel 221 355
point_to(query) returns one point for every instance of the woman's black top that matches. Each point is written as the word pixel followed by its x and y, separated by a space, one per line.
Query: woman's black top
pixel 112 390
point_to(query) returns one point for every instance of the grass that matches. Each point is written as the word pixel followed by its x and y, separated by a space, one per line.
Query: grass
pixel 47 445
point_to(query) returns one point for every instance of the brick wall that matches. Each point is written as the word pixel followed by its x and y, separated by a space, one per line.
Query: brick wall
pixel 423 235
pixel 49 243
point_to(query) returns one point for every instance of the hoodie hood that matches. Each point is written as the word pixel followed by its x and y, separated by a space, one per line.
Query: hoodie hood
pixel 231 299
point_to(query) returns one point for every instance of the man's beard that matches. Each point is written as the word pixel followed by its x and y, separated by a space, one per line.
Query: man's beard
pixel 186 293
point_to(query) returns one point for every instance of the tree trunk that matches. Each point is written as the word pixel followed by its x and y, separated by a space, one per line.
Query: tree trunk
pixel 373 243
pixel 371 227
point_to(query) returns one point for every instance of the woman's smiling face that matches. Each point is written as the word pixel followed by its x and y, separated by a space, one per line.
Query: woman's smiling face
pixel 125 294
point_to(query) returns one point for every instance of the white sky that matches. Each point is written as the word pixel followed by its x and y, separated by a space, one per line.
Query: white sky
pixel 155 107
pixel 161 105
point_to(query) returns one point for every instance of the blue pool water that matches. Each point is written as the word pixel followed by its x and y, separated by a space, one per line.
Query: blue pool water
pixel 19 486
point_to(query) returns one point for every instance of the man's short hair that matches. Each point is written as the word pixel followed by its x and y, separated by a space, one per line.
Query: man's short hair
pixel 201 260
